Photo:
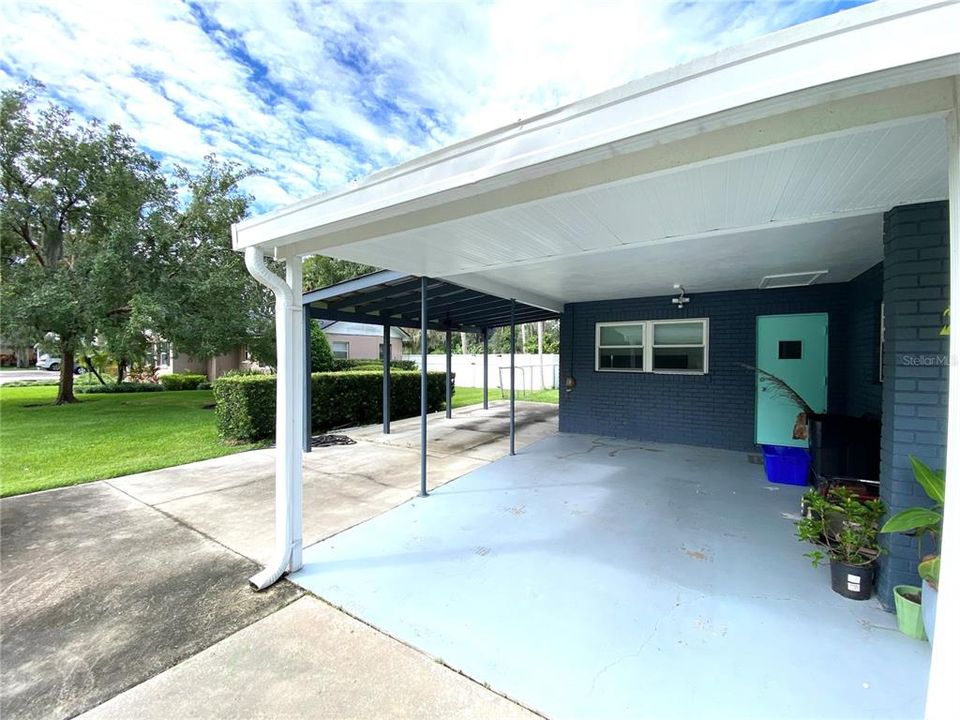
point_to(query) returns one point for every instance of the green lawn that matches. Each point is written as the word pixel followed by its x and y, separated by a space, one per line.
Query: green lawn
pixel 44 446
pixel 472 396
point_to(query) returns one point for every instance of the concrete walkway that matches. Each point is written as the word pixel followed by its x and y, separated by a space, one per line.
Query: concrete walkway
pixel 107 585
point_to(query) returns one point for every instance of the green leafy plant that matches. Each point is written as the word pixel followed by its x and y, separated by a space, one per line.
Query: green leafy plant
pixel 181 381
pixel 842 526
pixel 924 521
pixel 123 387
pixel 246 404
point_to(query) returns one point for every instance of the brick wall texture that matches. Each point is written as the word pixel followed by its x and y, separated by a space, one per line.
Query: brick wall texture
pixel 916 292
pixel 716 409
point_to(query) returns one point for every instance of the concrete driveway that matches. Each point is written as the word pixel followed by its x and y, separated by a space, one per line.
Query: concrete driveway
pixel 107 586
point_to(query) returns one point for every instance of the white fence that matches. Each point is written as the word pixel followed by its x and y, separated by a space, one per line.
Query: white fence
pixel 533 372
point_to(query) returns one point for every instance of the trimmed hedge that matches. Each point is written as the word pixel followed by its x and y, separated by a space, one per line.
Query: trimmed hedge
pixel 181 381
pixel 344 364
pixel 124 387
pixel 246 405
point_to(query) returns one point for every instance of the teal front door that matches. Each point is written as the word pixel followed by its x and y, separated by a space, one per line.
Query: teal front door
pixel 794 348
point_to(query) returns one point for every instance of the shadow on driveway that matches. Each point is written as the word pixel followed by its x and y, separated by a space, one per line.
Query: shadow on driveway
pixel 100 592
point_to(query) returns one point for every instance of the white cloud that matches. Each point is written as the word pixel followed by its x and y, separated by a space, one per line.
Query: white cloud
pixel 317 95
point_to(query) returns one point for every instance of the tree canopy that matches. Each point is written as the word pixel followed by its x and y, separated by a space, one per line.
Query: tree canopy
pixel 101 248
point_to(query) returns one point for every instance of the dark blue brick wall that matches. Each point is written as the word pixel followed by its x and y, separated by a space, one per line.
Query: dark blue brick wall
pixel 716 409
pixel 916 291
pixel 863 387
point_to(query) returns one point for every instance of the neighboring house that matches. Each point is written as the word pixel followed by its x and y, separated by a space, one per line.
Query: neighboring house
pixel 347 340
pixel 168 361
pixel 350 340
pixel 16 356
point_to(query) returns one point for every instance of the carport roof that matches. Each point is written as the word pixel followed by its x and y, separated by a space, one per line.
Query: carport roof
pixel 394 298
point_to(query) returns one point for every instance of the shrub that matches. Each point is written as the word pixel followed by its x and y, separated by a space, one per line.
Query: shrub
pixel 123 387
pixel 246 405
pixel 321 356
pixel 243 372
pixel 341 364
pixel 181 381
pixel 204 385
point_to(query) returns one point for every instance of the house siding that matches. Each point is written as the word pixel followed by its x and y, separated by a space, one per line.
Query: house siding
pixel 366 347
pixel 716 409
pixel 916 292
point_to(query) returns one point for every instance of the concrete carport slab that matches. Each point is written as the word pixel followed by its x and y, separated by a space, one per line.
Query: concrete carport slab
pixel 100 592
pixel 231 499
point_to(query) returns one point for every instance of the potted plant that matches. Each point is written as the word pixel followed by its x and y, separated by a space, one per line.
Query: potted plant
pixel 845 529
pixel 909 612
pixel 922 522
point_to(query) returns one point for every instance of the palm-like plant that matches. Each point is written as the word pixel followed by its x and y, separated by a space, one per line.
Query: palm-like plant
pixel 924 520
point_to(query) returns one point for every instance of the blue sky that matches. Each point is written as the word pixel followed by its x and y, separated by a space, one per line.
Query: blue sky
pixel 319 94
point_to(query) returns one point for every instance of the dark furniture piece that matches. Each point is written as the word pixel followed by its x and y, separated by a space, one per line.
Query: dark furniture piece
pixel 845 451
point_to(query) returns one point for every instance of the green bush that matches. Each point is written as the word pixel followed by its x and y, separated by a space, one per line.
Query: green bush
pixel 321 356
pixel 342 364
pixel 204 385
pixel 124 387
pixel 181 381
pixel 243 372
pixel 246 405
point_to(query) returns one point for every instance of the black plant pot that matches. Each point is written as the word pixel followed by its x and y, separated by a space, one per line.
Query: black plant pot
pixel 852 581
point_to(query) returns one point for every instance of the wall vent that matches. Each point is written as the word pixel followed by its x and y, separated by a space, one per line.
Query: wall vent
pixel 787 280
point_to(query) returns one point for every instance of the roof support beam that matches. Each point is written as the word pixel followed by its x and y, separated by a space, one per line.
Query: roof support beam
pixel 363 298
pixel 394 320
pixel 358 283
pixel 441 294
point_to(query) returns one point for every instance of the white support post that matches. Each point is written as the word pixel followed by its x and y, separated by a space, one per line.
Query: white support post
pixel 298 379
pixel 942 683
pixel 290 414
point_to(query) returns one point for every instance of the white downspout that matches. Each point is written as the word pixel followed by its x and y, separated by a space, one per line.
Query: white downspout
pixel 288 463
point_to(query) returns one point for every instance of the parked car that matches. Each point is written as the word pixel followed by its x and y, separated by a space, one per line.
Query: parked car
pixel 49 362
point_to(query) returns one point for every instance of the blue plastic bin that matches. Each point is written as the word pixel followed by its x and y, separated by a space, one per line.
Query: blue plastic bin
pixel 786 465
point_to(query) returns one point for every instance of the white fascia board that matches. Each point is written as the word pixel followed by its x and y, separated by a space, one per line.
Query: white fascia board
pixel 880 38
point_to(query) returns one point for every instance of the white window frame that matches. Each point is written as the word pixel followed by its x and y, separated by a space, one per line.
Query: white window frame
pixel 648 346
pixel 340 342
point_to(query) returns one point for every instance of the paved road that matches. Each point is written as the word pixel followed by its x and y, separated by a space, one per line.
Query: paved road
pixel 7 376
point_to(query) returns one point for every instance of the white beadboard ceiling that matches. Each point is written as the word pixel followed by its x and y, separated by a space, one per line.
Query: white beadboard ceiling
pixel 720 225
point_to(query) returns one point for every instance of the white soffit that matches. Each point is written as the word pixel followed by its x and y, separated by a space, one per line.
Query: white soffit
pixel 777 190
pixel 734 261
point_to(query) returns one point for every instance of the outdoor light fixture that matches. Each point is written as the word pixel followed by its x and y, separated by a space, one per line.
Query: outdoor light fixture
pixel 681 299
pixel 569 383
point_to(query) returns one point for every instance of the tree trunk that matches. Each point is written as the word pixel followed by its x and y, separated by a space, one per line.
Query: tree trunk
pixel 463 343
pixel 523 337
pixel 121 370
pixel 91 368
pixel 65 393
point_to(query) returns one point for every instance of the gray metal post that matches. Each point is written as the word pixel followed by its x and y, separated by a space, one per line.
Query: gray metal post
pixel 486 363
pixel 308 382
pixel 513 376
pixel 386 378
pixel 448 349
pixel 423 387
